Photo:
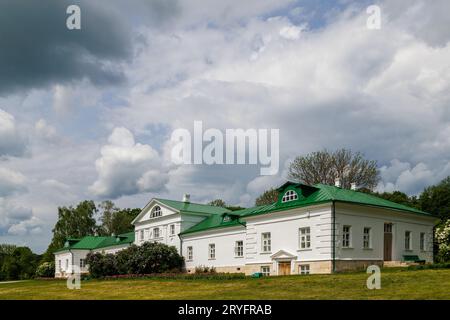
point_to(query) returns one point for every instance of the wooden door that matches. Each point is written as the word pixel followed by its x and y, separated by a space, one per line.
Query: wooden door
pixel 284 268
pixel 387 242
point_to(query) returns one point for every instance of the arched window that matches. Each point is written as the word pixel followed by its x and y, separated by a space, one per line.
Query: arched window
pixel 290 195
pixel 156 212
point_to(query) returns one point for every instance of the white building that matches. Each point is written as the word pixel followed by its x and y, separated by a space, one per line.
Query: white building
pixel 310 229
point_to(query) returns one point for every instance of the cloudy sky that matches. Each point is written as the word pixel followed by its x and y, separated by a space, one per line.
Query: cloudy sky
pixel 88 114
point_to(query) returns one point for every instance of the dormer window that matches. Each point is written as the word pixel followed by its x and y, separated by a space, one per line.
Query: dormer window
pixel 156 212
pixel 226 219
pixel 290 195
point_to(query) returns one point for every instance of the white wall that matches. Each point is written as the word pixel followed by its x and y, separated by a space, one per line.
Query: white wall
pixel 224 240
pixel 284 228
pixel 67 259
pixel 359 217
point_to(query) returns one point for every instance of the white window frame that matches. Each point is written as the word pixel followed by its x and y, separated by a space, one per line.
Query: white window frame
pixel 266 242
pixel 289 195
pixel 67 264
pixel 190 253
pixel 59 265
pixel 265 270
pixel 304 269
pixel 82 263
pixel 172 229
pixel 141 234
pixel 346 236
pixel 212 251
pixel 367 238
pixel 156 233
pixel 408 240
pixel 239 249
pixel 304 235
pixel 422 241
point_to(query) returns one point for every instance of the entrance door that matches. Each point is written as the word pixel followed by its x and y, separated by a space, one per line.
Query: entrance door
pixel 387 242
pixel 284 268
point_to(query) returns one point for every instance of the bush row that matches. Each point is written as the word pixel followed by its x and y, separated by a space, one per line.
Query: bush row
pixel 445 265
pixel 148 258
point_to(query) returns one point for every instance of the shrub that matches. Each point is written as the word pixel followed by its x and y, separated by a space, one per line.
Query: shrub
pixel 149 258
pixel 46 270
pixel 101 265
pixel 205 269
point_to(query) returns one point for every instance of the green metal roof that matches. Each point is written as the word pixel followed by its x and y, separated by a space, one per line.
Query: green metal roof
pixel 307 196
pixel 96 242
pixel 215 221
pixel 193 207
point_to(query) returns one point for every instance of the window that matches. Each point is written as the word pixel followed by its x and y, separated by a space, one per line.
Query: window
pixel 388 227
pixel 305 238
pixel 190 253
pixel 67 264
pixel 265 270
pixel 212 251
pixel 407 240
pixel 290 195
pixel 141 235
pixel 155 233
pixel 303 269
pixel 156 212
pixel 346 237
pixel 82 263
pixel 147 234
pixel 366 238
pixel 266 243
pixel 422 241
pixel 239 249
pixel 172 229
pixel 59 265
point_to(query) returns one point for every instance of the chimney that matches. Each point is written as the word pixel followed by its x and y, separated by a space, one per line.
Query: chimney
pixel 337 182
pixel 353 186
pixel 187 198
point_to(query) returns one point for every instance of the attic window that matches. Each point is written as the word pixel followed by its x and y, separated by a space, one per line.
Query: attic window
pixel 156 212
pixel 226 218
pixel 290 195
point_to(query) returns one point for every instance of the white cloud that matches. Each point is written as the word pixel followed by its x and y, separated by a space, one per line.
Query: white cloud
pixel 12 143
pixel 126 167
pixel 16 220
pixel 11 182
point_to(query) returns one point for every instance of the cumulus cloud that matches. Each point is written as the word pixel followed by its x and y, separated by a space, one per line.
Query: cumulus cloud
pixel 11 182
pixel 410 179
pixel 126 167
pixel 17 220
pixel 12 143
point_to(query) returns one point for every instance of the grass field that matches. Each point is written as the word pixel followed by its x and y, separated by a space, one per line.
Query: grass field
pixel 395 284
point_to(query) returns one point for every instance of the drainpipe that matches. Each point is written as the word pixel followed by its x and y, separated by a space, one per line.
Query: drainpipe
pixel 333 248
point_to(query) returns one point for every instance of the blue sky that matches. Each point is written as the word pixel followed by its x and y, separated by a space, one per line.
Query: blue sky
pixel 88 114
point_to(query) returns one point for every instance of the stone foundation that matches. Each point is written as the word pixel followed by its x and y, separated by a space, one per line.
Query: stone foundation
pixel 354 265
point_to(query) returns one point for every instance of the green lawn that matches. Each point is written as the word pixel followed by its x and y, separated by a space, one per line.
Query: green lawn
pixel 395 284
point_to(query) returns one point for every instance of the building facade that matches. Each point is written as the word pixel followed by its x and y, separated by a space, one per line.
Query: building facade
pixel 310 229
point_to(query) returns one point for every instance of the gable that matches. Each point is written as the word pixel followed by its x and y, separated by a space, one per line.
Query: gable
pixel 150 208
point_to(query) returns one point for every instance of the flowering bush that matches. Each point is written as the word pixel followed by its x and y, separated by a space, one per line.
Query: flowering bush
pixel 46 270
pixel 443 239
pixel 149 258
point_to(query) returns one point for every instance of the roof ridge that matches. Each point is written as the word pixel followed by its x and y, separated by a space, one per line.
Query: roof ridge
pixel 196 203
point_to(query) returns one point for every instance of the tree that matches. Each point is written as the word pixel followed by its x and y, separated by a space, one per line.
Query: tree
pixel 268 197
pixel 436 199
pixel 217 203
pixel 72 223
pixel 325 166
pixel 114 220
pixel 443 241
pixel 20 264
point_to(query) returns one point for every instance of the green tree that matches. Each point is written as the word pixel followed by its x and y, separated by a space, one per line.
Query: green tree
pixel 268 197
pixel 121 220
pixel 436 199
pixel 108 209
pixel 217 203
pixel 72 223
pixel 325 166
pixel 20 264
